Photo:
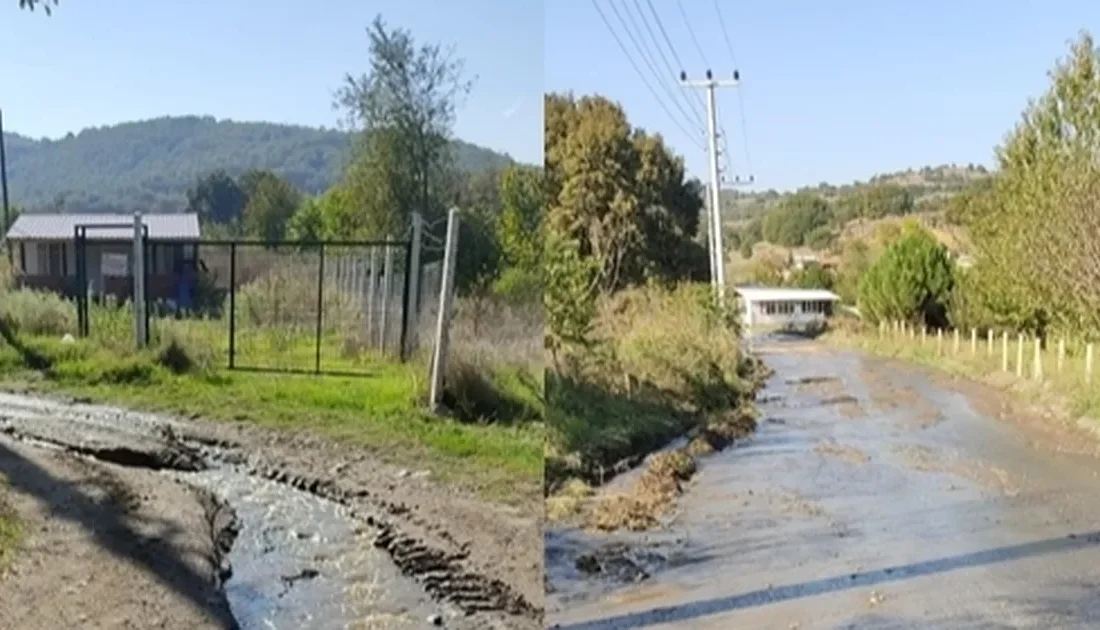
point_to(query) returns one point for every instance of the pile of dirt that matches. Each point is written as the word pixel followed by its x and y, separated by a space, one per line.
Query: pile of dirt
pixel 650 497
pixel 722 430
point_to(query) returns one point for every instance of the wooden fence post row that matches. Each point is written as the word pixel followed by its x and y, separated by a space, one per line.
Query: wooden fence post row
pixel 903 329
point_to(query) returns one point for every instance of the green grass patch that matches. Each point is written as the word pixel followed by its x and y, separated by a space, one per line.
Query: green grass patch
pixel 381 411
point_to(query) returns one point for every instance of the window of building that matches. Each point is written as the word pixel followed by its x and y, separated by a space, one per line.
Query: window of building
pixel 51 259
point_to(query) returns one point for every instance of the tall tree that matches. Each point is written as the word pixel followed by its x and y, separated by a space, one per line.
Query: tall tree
pixel 272 201
pixel 519 225
pixel 617 195
pixel 404 105
pixel 1036 234
pixel 217 198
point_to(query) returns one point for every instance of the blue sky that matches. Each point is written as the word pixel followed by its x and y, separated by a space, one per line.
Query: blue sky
pixel 98 62
pixel 833 91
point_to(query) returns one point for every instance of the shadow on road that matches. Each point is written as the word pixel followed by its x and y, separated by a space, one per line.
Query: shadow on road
pixel 696 610
pixel 118 533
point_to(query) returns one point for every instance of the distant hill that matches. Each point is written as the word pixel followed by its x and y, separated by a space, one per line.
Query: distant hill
pixel 148 165
pixel 927 186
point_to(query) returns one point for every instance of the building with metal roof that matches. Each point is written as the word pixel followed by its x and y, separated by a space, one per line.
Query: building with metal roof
pixel 44 250
pixel 61 227
pixel 773 307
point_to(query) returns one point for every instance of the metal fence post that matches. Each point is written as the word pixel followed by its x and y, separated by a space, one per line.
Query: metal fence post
pixel 372 282
pixel 232 303
pixel 387 289
pixel 320 306
pixel 138 272
pixel 443 322
pixel 412 289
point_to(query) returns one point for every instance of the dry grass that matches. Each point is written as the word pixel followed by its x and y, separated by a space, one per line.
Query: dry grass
pixel 667 364
pixel 1064 389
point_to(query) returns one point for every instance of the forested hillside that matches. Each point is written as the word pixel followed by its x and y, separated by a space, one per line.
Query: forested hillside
pixel 922 187
pixel 817 217
pixel 149 165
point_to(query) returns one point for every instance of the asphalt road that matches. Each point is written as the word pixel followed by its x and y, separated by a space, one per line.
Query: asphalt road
pixel 873 495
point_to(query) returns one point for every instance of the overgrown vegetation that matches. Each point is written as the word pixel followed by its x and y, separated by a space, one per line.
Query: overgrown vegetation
pixel 639 353
pixel 183 373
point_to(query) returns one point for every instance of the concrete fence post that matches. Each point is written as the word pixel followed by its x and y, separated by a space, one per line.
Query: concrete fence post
pixel 923 335
pixel 443 320
pixel 956 344
pixel 989 344
pixel 939 341
pixel 1020 354
pixel 973 341
pixel 1004 351
pixel 1038 369
pixel 1061 354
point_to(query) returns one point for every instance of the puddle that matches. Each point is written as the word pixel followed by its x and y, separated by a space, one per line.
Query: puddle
pixel 300 561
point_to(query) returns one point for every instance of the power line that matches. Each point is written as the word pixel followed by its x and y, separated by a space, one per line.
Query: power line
pixel 691 32
pixel 740 93
pixel 674 72
pixel 642 76
pixel 725 33
pixel 646 59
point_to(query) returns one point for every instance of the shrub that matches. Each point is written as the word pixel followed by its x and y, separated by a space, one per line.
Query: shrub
pixel 912 280
pixel 677 342
pixel 37 312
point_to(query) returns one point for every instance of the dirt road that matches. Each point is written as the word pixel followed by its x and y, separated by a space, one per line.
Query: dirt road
pixel 873 495
pixel 139 521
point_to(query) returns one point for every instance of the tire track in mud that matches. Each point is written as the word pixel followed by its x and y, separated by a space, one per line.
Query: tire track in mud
pixel 442 574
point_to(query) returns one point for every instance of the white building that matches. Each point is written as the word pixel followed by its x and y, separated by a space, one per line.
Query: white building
pixel 766 307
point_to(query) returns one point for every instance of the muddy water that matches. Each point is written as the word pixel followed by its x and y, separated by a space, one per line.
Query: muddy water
pixel 298 560
pixel 870 497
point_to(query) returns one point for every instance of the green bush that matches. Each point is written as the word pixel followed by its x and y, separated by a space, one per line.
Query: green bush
pixel 911 281
pixel 519 286
pixel 37 312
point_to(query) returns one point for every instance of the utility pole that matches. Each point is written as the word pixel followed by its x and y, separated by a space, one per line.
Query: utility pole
pixel 4 179
pixel 717 251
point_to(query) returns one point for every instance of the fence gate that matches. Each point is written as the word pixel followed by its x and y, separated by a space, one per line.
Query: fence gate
pixel 331 307
pixel 104 278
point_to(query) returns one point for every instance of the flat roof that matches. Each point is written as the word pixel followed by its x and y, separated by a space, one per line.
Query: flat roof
pixel 773 294
pixel 60 227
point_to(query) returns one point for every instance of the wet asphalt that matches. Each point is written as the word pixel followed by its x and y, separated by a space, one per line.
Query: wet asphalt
pixel 871 496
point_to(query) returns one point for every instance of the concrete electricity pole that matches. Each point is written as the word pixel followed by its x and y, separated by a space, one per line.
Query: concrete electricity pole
pixel 717 251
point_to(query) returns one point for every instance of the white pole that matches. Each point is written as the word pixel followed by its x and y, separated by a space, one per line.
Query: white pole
pixel 443 321
pixel 715 184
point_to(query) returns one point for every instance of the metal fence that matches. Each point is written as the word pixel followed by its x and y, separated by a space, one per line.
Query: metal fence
pixel 324 307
